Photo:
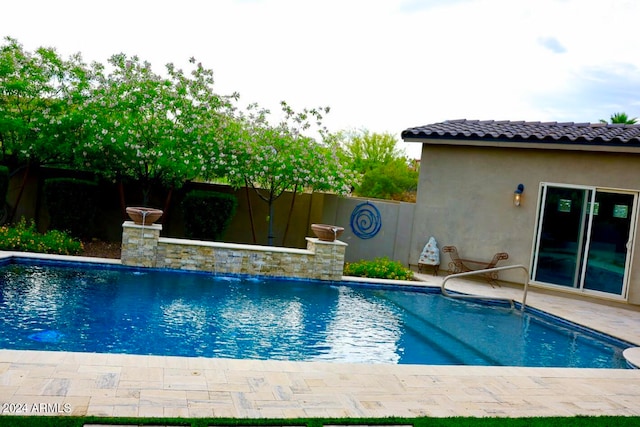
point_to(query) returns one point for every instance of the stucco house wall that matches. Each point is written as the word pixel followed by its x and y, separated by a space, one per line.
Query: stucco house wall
pixel 466 189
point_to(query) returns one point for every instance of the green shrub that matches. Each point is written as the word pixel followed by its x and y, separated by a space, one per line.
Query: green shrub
pixel 24 237
pixel 207 214
pixel 72 205
pixel 379 268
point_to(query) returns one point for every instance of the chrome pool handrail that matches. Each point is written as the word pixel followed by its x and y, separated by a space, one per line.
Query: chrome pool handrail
pixel 489 270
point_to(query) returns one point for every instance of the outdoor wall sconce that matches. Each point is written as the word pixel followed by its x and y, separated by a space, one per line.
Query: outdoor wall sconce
pixel 517 195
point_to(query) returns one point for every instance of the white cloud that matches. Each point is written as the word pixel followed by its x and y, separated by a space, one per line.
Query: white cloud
pixel 552 43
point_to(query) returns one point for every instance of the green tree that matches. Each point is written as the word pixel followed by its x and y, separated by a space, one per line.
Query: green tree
pixel 621 118
pixel 393 180
pixel 366 150
pixel 153 129
pixel 41 97
pixel 40 102
pixel 386 171
pixel 272 159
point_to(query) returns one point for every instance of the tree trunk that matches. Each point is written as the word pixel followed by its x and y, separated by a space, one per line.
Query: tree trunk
pixel 146 191
pixel 270 230
pixel 22 186
pixel 167 205
pixel 253 228
pixel 123 205
pixel 293 201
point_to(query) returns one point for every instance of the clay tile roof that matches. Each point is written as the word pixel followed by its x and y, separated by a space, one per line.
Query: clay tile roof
pixel 521 131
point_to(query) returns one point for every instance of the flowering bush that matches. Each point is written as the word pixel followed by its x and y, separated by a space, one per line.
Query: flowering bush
pixel 41 95
pixel 24 237
pixel 125 121
pixel 379 268
pixel 150 127
pixel 274 158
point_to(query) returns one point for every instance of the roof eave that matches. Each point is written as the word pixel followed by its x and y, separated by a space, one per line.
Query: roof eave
pixel 611 147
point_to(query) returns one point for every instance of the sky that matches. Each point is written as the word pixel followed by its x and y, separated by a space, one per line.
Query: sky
pixel 380 65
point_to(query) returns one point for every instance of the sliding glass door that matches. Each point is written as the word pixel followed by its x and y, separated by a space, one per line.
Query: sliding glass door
pixel 609 241
pixel 583 236
pixel 561 230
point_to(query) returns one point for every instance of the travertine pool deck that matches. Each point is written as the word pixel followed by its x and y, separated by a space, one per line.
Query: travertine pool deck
pixel 52 383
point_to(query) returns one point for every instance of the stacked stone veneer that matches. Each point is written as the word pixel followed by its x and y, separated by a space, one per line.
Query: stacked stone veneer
pixel 142 246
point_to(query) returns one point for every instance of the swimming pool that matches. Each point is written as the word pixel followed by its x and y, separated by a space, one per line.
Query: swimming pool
pixel 55 306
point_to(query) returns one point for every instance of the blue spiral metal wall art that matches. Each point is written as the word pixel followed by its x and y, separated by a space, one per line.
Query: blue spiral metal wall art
pixel 366 221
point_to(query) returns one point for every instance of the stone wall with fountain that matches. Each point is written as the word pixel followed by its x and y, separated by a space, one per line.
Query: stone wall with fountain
pixel 142 246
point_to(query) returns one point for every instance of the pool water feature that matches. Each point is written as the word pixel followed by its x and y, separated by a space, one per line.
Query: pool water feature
pixel 120 310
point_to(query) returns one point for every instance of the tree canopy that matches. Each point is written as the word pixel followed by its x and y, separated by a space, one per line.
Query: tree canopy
pixel 621 118
pixel 274 158
pixel 125 121
pixel 40 104
pixel 386 171
pixel 150 128
pixel 367 150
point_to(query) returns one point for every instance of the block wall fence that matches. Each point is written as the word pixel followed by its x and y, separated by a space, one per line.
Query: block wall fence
pixel 393 239
pixel 142 246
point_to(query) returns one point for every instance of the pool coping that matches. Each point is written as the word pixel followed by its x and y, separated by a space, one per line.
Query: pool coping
pixel 70 383
pixel 157 386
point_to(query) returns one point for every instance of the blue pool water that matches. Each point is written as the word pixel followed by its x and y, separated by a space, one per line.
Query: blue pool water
pixel 118 310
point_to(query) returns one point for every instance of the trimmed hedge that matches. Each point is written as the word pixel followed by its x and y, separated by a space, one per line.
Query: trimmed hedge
pixel 207 214
pixel 72 205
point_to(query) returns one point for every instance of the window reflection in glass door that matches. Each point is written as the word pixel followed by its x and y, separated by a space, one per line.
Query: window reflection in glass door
pixel 561 234
pixel 610 228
